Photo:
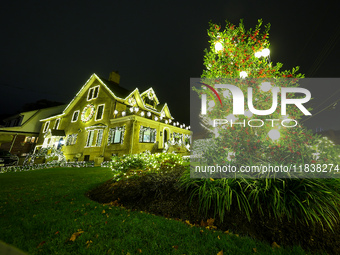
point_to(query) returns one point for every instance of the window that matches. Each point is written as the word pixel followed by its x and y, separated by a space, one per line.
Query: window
pixel 71 139
pixel 116 135
pixel 96 92
pixel 93 93
pixel 90 138
pixel 47 124
pixel 99 137
pixel 75 116
pixel 28 139
pixel 178 138
pixel 100 111
pixel 147 135
pixel 56 124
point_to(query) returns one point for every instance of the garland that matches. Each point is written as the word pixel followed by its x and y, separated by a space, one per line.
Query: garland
pixel 89 117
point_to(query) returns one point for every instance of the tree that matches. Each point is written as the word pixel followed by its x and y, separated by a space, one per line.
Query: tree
pixel 242 58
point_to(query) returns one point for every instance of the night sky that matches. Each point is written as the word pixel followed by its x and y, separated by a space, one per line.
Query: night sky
pixel 50 48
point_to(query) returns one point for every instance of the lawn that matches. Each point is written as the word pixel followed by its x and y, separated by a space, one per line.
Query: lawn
pixel 42 210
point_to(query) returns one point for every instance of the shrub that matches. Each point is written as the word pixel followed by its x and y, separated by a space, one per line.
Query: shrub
pixel 306 200
pixel 145 163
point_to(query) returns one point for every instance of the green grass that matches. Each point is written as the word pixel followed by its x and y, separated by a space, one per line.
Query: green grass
pixel 41 209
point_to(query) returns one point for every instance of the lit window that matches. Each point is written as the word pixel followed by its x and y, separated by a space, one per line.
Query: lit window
pixel 75 116
pixel 147 135
pixel 47 124
pixel 71 139
pixel 96 92
pixel 99 137
pixel 90 95
pixel 116 135
pixel 28 139
pixel 56 124
pixel 100 111
pixel 90 138
pixel 93 93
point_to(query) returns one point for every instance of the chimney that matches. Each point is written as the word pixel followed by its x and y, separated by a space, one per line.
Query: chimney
pixel 114 77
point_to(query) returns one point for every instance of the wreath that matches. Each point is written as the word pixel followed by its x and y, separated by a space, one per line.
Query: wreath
pixel 87 113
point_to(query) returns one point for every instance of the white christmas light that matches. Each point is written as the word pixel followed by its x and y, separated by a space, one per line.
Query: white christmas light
pixel 123 113
pixel 243 74
pixel 258 54
pixel 265 52
pixel 248 113
pixel 231 117
pixel 115 112
pixel 131 109
pixel 265 86
pixel 177 123
pixel 136 109
pixel 148 114
pixel 274 134
pixel 142 114
pixel 166 121
pixel 218 46
pixel 170 121
pixel 156 118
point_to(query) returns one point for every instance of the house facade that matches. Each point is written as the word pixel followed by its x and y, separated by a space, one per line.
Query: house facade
pixel 104 119
pixel 21 131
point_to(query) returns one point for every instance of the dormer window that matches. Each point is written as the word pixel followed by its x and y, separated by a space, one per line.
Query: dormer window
pixel 93 93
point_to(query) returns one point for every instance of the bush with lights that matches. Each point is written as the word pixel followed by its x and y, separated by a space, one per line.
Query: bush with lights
pixel 242 58
pixel 134 165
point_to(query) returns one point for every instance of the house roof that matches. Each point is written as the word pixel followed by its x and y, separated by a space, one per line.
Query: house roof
pixel 116 89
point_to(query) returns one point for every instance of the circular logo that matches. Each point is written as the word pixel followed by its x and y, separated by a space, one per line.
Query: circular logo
pixel 87 113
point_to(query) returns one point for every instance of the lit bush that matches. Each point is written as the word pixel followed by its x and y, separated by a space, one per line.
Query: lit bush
pixel 140 164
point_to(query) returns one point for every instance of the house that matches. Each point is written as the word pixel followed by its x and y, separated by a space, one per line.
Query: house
pixel 21 131
pixel 105 119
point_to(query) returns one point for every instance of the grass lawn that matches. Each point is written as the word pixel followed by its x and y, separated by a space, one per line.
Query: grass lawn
pixel 41 210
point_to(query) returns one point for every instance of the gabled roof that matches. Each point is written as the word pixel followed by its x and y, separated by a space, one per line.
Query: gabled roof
pixel 117 92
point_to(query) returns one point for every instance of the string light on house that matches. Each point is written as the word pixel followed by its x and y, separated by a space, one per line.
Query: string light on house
pixel 148 114
pixel 136 109
pixel 115 112
pixel 142 114
pixel 123 113
pixel 156 118
pixel 131 109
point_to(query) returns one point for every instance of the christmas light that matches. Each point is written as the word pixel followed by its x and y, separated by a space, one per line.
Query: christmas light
pixel 166 122
pixel 265 52
pixel 218 46
pixel 258 54
pixel 115 112
pixel 148 114
pixel 123 113
pixel 136 109
pixel 142 114
pixel 265 86
pixel 131 109
pixel 243 74
pixel 274 134
pixel 156 118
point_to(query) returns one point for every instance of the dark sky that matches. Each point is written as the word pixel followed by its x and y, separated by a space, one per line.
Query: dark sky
pixel 50 48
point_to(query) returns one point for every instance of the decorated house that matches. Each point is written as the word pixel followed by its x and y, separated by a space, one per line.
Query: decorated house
pixel 104 119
